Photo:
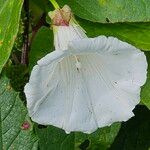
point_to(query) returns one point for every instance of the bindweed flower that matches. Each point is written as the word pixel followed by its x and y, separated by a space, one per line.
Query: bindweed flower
pixel 86 83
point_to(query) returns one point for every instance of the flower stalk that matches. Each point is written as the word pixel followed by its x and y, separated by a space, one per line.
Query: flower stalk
pixel 55 4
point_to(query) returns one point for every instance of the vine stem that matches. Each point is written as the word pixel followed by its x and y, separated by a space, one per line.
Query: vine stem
pixel 26 47
pixel 25 50
pixel 35 28
pixel 55 4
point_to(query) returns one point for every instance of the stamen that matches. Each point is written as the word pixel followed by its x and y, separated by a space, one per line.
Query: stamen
pixel 78 64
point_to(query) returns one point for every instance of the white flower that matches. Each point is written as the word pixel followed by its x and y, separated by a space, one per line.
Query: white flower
pixel 86 83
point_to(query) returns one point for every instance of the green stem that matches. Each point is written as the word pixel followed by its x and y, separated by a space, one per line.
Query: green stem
pixel 55 4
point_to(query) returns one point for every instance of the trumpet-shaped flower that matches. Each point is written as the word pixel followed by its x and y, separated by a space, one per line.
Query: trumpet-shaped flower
pixel 86 83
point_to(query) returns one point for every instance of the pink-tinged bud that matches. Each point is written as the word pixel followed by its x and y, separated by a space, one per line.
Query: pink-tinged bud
pixel 25 125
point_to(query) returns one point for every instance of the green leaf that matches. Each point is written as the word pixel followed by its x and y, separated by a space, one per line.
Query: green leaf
pixel 101 139
pixel 137 34
pixel 135 133
pixel 42 45
pixel 56 139
pixel 9 17
pixel 52 138
pixel 18 75
pixel 1 3
pixel 111 10
pixel 145 92
pixel 44 5
pixel 13 115
pixel 39 8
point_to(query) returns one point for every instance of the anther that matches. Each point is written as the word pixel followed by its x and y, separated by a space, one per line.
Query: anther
pixel 78 64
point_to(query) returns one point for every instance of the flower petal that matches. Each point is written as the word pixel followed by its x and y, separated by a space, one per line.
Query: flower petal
pixel 112 48
pixel 36 89
pixel 64 34
pixel 101 44
pixel 105 89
